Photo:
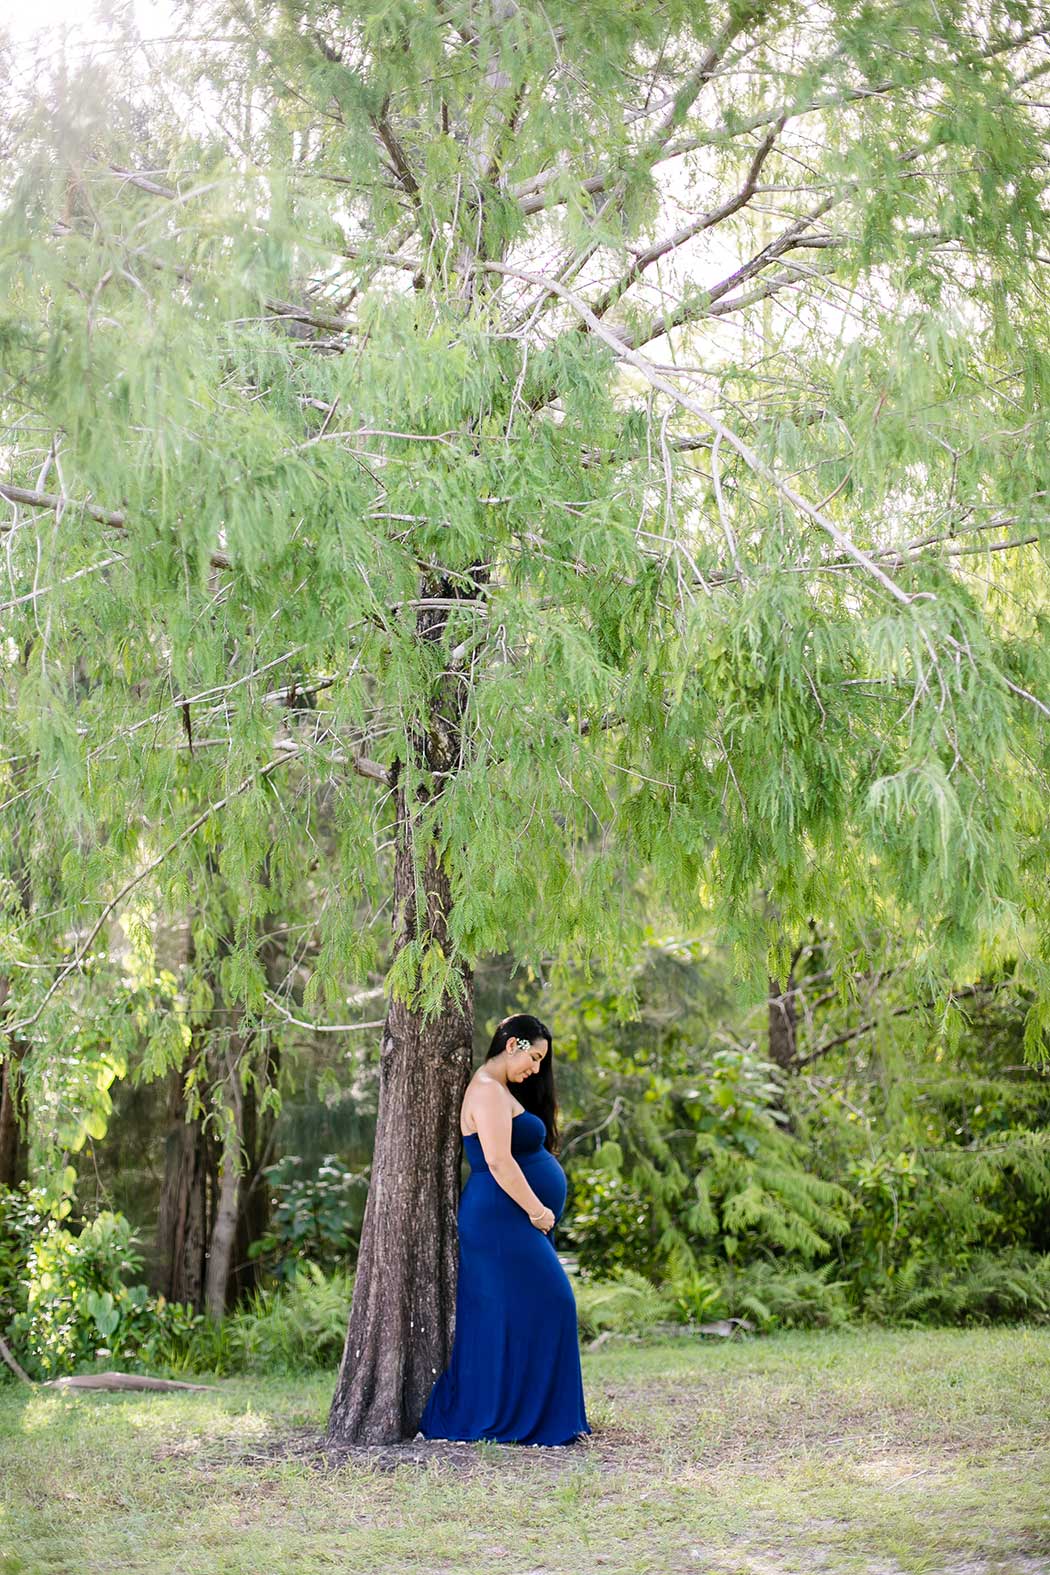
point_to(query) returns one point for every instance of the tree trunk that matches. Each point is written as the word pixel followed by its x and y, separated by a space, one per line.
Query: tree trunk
pixel 182 1224
pixel 12 1121
pixel 402 1316
pixel 207 1219
pixel 253 1214
pixel 219 1270
pixel 783 1022
pixel 13 1112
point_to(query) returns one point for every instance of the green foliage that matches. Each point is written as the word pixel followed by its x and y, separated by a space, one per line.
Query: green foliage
pixel 79 1307
pixel 316 1215
pixel 627 1303
pixel 699 1170
pixel 275 358
pixel 769 1295
pixel 985 1288
pixel 293 1327
pixel 24 1212
pixel 608 1219
pixel 377 495
pixel 946 1155
pixel 929 1129
pixel 782 1296
pixel 296 1326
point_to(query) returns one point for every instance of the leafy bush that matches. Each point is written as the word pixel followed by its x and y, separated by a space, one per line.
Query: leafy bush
pixel 780 1296
pixel 609 1219
pixel 298 1325
pixel 703 1174
pixel 78 1306
pixel 294 1326
pixel 772 1296
pixel 626 1304
pixel 991 1288
pixel 23 1212
pixel 316 1215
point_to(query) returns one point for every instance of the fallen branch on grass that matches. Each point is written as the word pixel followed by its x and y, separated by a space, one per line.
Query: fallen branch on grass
pixel 95 1380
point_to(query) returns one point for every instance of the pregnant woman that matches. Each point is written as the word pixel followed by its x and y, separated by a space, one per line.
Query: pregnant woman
pixel 514 1373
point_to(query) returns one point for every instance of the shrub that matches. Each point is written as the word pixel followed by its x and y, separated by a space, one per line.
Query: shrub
pixel 23 1213
pixel 317 1215
pixel 78 1305
pixel 626 1304
pixel 704 1173
pixel 608 1220
pixel 779 1296
pixel 990 1288
pixel 292 1327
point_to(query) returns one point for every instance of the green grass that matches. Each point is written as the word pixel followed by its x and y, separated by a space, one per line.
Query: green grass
pixel 879 1452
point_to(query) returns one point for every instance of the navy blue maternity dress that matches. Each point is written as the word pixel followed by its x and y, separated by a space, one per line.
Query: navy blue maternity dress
pixel 514 1373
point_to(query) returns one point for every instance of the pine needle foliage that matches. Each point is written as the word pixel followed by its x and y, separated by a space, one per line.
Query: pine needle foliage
pixel 354 352
pixel 712 1175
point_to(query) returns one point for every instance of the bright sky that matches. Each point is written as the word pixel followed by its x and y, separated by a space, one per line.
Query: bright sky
pixel 26 18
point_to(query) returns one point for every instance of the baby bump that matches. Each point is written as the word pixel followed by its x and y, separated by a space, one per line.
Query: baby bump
pixel 546 1178
pixel 485 1208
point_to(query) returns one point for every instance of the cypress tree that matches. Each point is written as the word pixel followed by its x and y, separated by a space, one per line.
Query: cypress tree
pixel 630 419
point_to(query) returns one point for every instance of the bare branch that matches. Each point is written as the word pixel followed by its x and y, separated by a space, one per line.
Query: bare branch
pixel 385 132
pixel 898 1011
pixel 705 303
pixel 706 221
pixel 625 352
pixel 55 501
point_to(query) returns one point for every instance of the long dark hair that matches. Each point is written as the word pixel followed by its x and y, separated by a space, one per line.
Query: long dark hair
pixel 536 1093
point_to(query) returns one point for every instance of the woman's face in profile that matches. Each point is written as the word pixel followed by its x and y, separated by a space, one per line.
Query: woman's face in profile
pixel 523 1063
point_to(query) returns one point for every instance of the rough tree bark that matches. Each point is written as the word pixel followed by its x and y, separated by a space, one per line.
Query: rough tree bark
pixel 401 1320
pixel 402 1317
pixel 182 1223
pixel 13 1146
pixel 783 1022
pixel 224 1233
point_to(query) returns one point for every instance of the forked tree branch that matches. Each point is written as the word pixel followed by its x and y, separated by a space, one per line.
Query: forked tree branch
pixel 625 352
pixel 706 221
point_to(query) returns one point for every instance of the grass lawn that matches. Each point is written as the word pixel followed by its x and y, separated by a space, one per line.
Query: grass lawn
pixel 875 1452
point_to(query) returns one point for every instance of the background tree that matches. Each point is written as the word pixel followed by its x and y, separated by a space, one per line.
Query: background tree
pixel 430 357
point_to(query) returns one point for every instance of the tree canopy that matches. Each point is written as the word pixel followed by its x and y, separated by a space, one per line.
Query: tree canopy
pixel 566 444
pixel 367 356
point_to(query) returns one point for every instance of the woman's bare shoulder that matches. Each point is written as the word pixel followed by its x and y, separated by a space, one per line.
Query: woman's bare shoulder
pixel 484 1095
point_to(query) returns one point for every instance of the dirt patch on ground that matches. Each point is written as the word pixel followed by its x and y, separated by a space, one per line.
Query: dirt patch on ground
pixel 310 1446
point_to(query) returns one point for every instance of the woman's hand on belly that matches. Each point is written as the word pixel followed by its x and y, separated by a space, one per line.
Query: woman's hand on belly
pixel 548 1180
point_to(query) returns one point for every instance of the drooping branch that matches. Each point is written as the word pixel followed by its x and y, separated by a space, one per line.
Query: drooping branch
pixel 625 352
pixel 364 767
pixel 290 311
